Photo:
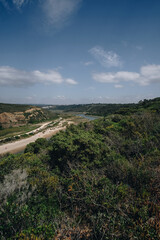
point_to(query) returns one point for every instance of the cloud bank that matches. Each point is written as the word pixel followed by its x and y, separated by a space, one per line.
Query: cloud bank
pixel 10 76
pixel 106 59
pixel 148 74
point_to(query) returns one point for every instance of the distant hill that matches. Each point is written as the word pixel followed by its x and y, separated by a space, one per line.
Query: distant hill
pixel 4 107
pixel 18 114
pixel 12 115
pixel 106 109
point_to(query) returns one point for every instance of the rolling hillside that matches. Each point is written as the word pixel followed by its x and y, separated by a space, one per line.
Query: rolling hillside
pixel 106 109
pixel 96 180
pixel 13 115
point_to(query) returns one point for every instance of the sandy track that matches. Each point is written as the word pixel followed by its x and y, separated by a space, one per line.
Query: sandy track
pixel 20 145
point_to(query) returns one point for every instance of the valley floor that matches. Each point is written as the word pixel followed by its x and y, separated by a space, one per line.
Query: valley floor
pixel 17 146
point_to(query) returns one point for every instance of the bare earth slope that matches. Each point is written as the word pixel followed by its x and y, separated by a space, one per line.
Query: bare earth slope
pixel 8 119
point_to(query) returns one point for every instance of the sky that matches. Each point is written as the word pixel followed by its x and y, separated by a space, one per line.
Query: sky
pixel 79 51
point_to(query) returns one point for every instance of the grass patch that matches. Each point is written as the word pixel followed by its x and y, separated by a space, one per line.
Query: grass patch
pixel 9 132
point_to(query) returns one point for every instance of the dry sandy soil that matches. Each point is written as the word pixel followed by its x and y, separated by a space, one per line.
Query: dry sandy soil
pixel 15 147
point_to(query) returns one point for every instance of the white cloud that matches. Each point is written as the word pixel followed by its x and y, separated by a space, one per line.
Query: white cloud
pixel 71 81
pixel 151 72
pixel 148 74
pixel 127 76
pixel 19 78
pixel 106 59
pixel 105 77
pixel 49 77
pixel 58 11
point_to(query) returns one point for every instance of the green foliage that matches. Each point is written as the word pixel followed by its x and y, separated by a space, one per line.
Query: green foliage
pixel 97 180
pixel 13 107
pixel 76 146
pixel 6 165
pixel 37 146
pixel 16 130
pixel 151 105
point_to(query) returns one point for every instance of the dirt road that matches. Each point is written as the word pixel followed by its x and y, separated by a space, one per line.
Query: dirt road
pixel 20 145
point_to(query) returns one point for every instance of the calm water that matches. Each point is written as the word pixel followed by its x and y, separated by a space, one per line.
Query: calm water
pixel 88 117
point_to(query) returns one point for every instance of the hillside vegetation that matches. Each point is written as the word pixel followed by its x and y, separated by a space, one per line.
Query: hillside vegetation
pixel 14 115
pixel 4 107
pixel 106 109
pixel 96 180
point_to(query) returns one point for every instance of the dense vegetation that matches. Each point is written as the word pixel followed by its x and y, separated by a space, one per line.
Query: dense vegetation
pixel 97 180
pixel 4 107
pixel 106 109
pixel 93 109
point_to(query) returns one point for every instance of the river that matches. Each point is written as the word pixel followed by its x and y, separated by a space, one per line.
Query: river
pixel 87 116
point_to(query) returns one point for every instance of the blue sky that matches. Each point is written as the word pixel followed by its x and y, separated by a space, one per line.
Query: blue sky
pixel 79 51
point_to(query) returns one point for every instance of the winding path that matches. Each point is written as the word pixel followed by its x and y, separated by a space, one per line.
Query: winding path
pixel 17 146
